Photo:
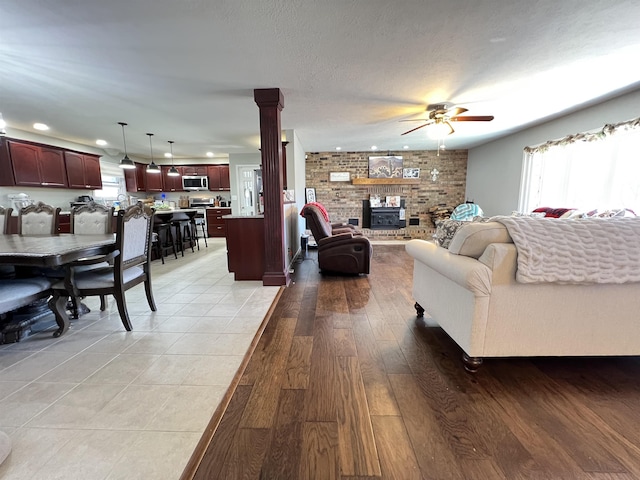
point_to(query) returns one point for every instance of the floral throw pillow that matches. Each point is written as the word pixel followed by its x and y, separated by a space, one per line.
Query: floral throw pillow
pixel 445 230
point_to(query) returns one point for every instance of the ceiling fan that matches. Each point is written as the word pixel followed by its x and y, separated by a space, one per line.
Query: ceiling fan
pixel 441 114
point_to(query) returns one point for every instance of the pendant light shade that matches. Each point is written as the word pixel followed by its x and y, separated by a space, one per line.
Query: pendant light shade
pixel 152 167
pixel 173 171
pixel 126 162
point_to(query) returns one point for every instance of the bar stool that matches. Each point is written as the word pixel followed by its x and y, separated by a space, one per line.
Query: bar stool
pixel 184 235
pixel 166 241
pixel 155 244
pixel 198 221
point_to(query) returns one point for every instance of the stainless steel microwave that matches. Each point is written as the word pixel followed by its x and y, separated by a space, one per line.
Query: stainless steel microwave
pixel 195 182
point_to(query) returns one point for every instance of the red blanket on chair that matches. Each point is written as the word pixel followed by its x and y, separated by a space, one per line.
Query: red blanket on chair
pixel 320 207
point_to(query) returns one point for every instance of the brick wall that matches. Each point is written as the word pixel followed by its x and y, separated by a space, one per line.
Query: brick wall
pixel 343 200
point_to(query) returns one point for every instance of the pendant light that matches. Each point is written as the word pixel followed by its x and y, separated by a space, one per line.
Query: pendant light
pixel 152 167
pixel 173 171
pixel 126 162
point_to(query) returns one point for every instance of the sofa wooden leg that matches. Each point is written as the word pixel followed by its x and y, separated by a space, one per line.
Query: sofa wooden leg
pixel 419 310
pixel 471 364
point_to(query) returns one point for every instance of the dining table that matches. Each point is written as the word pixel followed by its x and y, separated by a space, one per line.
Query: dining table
pixel 53 252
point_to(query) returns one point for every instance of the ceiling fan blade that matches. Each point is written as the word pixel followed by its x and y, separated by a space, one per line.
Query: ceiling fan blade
pixel 453 111
pixel 472 118
pixel 414 129
pixel 415 120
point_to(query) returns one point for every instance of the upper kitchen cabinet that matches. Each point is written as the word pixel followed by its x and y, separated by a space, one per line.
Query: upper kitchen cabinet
pixel 154 181
pixel 218 177
pixel 33 165
pixel 194 170
pixel 83 171
pixel 136 179
pixel 171 184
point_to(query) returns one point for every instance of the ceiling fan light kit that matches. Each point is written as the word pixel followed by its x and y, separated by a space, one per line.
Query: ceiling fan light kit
pixel 440 116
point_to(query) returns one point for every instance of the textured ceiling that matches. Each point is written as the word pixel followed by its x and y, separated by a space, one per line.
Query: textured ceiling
pixel 349 70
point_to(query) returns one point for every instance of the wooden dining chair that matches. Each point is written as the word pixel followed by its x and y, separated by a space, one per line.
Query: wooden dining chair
pixel 89 219
pixel 38 219
pixel 131 264
pixel 5 215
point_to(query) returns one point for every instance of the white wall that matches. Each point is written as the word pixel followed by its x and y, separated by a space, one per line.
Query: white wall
pixel 296 181
pixel 494 169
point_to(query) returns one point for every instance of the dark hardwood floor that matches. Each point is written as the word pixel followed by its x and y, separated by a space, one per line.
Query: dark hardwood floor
pixel 345 384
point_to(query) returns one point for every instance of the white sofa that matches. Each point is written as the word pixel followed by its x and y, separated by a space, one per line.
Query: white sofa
pixel 474 292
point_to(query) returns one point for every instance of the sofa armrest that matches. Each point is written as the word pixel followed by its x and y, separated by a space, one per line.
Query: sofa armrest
pixel 465 271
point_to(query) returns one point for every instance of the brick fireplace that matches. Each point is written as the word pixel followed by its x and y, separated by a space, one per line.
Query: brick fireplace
pixel 344 199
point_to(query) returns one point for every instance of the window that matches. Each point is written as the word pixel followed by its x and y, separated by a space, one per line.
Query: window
pixel 586 171
pixel 111 188
pixel 113 183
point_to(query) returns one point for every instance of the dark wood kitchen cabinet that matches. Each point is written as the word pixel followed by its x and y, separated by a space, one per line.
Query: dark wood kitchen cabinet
pixel 37 165
pixel 194 170
pixel 154 181
pixel 83 171
pixel 218 177
pixel 171 184
pixel 215 223
pixel 136 179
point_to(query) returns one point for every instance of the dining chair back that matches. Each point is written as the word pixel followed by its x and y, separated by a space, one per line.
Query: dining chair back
pixel 130 266
pixel 38 219
pixel 5 215
pixel 91 219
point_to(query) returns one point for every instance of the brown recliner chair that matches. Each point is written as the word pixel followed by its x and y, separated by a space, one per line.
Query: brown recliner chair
pixel 342 250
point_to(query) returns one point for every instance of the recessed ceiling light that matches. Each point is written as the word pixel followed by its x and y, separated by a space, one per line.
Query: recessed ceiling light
pixel 338 148
pixel 168 155
pixel 100 142
pixel 209 154
pixel 374 148
pixel 40 126
pixel 406 147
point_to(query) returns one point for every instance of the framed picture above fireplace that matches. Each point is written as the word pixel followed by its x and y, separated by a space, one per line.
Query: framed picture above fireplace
pixel 411 173
pixel 389 166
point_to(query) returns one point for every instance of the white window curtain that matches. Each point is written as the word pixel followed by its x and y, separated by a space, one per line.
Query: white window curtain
pixel 586 171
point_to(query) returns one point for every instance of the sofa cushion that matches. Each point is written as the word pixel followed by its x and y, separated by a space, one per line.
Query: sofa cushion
pixel 445 230
pixel 472 238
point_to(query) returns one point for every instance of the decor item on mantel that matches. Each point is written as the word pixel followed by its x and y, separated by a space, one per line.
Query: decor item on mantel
pixel 411 173
pixel 126 162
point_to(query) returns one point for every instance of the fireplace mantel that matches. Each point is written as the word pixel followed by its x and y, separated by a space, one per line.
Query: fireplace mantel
pixel 385 181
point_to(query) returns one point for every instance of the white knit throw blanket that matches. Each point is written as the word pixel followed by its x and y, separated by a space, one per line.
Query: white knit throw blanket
pixel 582 250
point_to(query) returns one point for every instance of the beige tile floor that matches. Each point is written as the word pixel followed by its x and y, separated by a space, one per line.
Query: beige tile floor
pixel 103 403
